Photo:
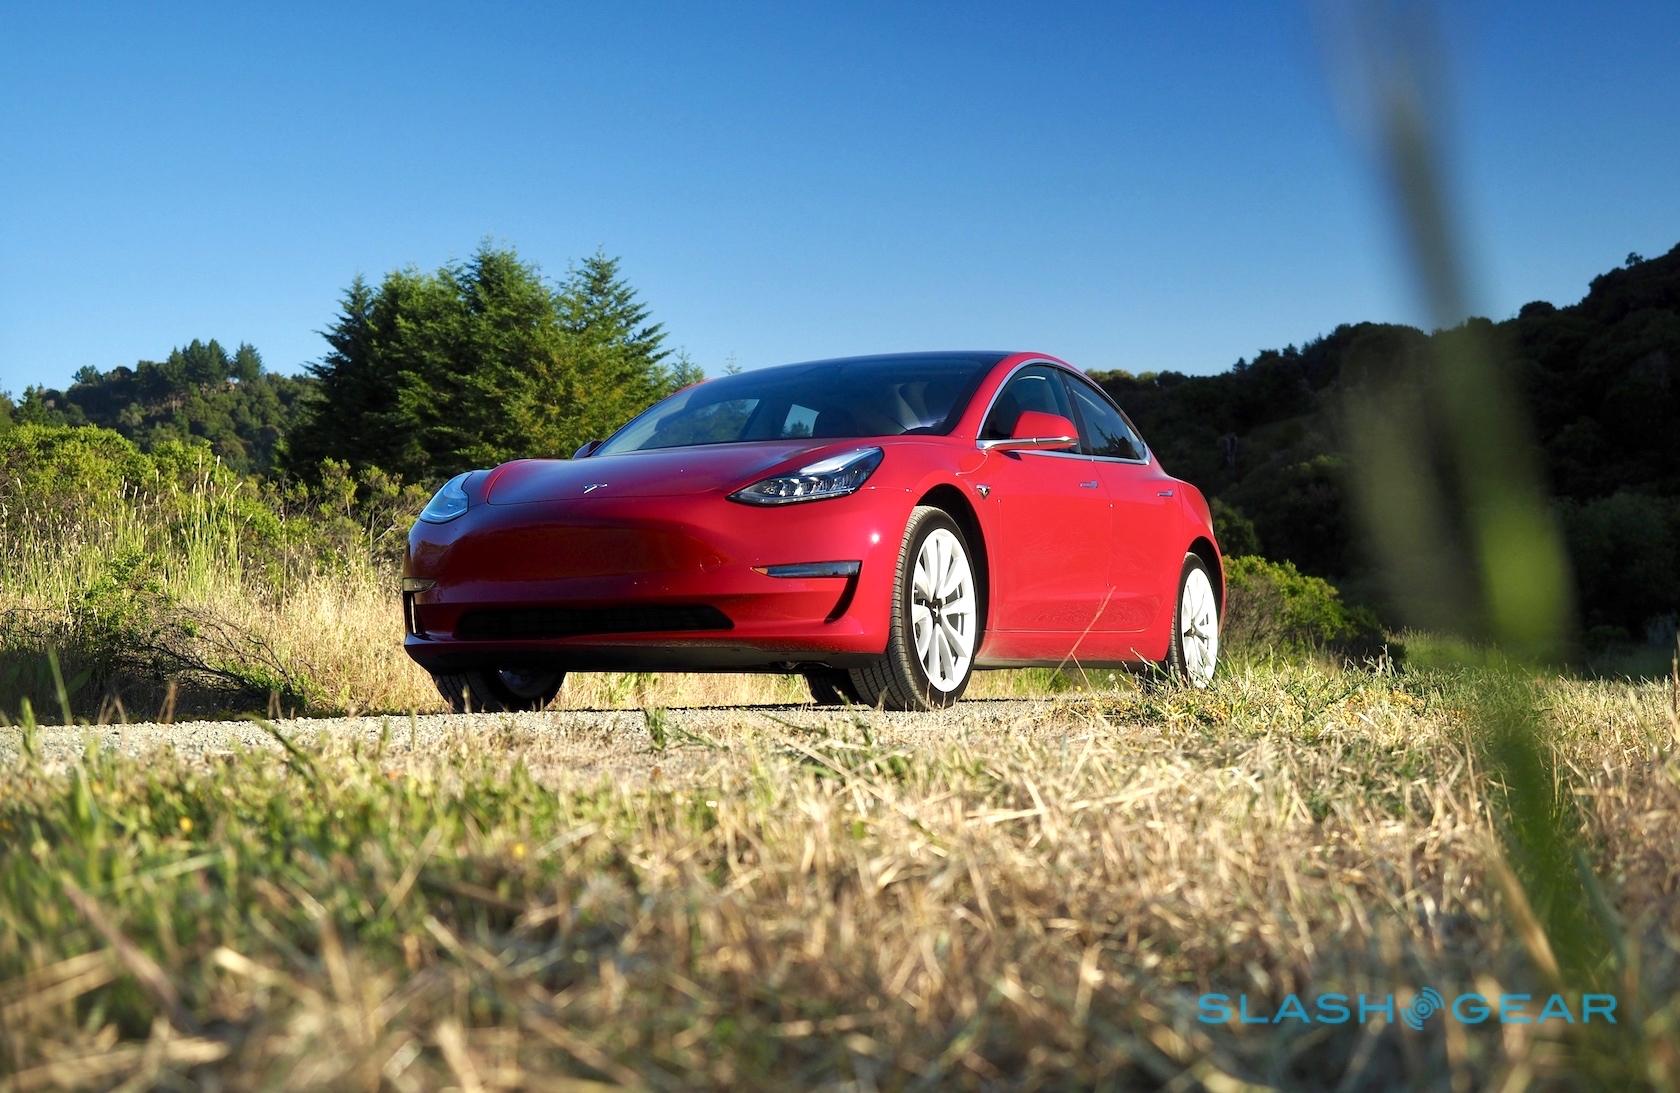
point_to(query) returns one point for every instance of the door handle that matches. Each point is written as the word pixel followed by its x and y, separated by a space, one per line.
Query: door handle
pixel 1164 493
pixel 1091 485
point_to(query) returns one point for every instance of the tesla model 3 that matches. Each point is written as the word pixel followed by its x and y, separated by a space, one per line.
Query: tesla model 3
pixel 884 526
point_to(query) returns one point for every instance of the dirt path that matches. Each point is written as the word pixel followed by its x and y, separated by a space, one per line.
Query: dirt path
pixel 586 743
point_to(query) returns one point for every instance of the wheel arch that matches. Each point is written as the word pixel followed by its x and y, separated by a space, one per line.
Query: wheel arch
pixel 1204 549
pixel 951 500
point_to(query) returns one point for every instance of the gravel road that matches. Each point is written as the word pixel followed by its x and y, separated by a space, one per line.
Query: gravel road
pixel 588 743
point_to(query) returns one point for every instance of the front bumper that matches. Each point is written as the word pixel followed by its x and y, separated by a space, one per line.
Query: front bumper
pixel 604 563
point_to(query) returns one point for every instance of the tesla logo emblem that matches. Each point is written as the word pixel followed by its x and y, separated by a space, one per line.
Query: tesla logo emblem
pixel 983 491
pixel 593 486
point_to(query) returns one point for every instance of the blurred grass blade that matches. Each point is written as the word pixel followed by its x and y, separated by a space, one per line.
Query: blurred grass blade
pixel 1454 505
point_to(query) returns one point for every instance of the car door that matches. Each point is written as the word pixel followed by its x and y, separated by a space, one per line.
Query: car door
pixel 1048 523
pixel 1143 565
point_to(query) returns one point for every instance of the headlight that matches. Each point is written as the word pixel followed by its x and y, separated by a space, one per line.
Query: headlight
pixel 835 476
pixel 448 502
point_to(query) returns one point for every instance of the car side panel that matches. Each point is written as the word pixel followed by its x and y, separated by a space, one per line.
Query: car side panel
pixel 1047 518
pixel 1145 542
pixel 1147 536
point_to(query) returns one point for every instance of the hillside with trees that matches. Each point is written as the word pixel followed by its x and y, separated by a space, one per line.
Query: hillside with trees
pixel 200 391
pixel 1268 439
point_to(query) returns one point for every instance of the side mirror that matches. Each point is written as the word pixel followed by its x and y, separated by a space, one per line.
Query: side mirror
pixel 587 448
pixel 1037 431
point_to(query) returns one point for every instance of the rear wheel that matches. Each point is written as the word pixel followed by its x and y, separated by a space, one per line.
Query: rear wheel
pixel 498 690
pixel 935 628
pixel 1195 637
pixel 831 687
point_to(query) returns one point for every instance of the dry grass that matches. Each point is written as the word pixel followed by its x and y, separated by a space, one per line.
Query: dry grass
pixel 339 636
pixel 1007 895
pixel 345 636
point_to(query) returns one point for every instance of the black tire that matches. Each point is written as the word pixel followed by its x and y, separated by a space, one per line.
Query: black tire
pixel 1176 666
pixel 897 680
pixel 831 687
pixel 493 690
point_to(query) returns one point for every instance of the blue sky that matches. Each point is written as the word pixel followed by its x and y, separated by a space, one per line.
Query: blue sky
pixel 1143 187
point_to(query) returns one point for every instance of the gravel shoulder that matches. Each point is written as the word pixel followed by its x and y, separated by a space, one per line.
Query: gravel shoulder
pixel 569 745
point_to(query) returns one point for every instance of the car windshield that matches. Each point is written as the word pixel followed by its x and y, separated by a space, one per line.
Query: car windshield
pixel 859 397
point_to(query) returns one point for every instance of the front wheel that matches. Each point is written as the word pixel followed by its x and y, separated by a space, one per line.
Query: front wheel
pixel 498 690
pixel 1195 638
pixel 936 626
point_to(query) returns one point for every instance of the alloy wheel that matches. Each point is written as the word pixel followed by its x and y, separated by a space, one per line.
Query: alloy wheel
pixel 943 610
pixel 937 622
pixel 1198 627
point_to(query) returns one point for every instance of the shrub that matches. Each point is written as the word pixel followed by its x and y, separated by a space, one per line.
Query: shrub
pixel 152 574
pixel 51 475
pixel 1274 605
pixel 1234 530
pixel 1624 548
pixel 128 636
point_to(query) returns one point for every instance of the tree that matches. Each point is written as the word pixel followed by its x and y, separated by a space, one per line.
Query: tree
pixel 611 329
pixel 480 362
pixel 199 364
pixel 43 406
pixel 1624 547
pixel 350 387
pixel 1234 530
pixel 247 364
pixel 597 305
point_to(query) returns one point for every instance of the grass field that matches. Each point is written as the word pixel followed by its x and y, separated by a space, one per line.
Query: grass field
pixel 715 886
pixel 1016 894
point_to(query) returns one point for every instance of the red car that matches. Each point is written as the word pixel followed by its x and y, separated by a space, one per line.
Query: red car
pixel 881 525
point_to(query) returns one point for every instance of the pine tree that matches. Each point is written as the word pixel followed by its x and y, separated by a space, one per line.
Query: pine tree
pixel 598 306
pixel 480 362
pixel 345 416
pixel 247 364
pixel 621 357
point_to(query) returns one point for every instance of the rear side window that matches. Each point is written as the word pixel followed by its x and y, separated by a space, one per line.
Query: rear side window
pixel 1103 431
pixel 1033 388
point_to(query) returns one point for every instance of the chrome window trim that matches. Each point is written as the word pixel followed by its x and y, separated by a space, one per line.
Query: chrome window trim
pixel 1067 370
pixel 993 445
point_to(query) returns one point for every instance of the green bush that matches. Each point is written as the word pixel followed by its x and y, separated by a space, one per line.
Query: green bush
pixel 49 474
pixel 1274 605
pixel 1624 549
pixel 63 486
pixel 1234 530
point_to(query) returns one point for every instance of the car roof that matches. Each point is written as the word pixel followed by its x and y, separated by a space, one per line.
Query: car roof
pixel 979 357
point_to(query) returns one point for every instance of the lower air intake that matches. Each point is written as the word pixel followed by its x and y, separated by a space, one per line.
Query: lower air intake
pixel 563 622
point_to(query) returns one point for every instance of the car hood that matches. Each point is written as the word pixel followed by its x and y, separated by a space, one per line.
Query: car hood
pixel 664 472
